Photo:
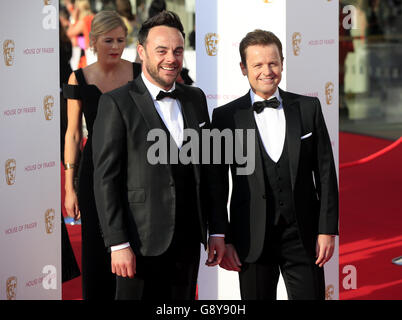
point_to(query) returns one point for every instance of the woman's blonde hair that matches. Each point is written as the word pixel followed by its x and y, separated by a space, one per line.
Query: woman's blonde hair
pixel 84 7
pixel 103 22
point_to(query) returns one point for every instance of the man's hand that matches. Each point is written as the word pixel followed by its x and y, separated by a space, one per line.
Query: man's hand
pixel 230 261
pixel 216 250
pixel 324 248
pixel 123 262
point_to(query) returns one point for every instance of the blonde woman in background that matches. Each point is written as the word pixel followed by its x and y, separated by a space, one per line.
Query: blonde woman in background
pixel 84 88
pixel 80 27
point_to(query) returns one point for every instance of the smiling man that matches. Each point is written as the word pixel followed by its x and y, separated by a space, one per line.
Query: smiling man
pixel 284 215
pixel 154 216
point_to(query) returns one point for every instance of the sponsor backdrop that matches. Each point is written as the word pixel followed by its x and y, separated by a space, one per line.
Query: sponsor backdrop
pixel 308 31
pixel 30 249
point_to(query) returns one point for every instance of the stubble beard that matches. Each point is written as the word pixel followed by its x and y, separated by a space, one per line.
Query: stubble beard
pixel 153 72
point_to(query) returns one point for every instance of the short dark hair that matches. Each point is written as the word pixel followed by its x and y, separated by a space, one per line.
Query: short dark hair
pixel 164 18
pixel 259 37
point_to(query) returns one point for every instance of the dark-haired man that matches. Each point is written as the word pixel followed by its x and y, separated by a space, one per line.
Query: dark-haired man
pixel 283 216
pixel 153 216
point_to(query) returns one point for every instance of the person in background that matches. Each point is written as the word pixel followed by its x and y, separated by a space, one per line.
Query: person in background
pixel 64 18
pixel 156 7
pixel 84 88
pixel 70 269
pixel 80 27
pixel 124 9
pixel 108 5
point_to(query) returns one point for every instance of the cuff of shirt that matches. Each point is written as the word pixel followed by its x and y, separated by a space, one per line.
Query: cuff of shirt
pixel 120 246
pixel 217 235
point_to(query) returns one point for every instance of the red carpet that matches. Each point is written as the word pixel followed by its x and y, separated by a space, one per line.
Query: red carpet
pixel 370 218
pixel 370 222
pixel 71 290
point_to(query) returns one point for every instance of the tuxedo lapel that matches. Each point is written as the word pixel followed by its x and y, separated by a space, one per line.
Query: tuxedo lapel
pixel 244 120
pixel 143 101
pixel 188 109
pixel 189 116
pixel 293 132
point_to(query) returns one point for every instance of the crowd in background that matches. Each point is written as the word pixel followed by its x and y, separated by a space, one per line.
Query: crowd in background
pixel 76 17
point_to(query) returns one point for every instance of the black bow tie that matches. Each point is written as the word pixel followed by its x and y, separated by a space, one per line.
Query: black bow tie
pixel 164 94
pixel 271 103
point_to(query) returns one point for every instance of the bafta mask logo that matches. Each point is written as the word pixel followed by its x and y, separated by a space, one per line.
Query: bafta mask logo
pixel 49 220
pixel 47 2
pixel 329 92
pixel 8 52
pixel 329 292
pixel 211 43
pixel 11 169
pixel 48 103
pixel 11 288
pixel 296 40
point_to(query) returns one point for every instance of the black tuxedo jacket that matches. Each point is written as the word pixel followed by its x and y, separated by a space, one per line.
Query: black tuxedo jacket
pixel 312 169
pixel 135 199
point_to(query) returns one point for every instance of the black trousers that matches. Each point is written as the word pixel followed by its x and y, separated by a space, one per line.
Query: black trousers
pixel 170 276
pixel 283 252
pixel 173 274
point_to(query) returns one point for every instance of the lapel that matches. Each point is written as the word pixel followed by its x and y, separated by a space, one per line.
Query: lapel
pixel 145 105
pixel 143 101
pixel 291 109
pixel 188 110
pixel 244 119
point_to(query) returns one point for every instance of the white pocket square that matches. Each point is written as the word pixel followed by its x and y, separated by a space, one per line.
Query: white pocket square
pixel 201 124
pixel 306 136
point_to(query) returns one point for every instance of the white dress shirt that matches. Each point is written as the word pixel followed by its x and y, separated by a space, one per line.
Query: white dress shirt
pixel 271 124
pixel 169 110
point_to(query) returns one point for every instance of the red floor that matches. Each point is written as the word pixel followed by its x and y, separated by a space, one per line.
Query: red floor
pixel 371 219
pixel 71 290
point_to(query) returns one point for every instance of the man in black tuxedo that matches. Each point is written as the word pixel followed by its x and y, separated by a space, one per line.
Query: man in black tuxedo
pixel 283 216
pixel 154 216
